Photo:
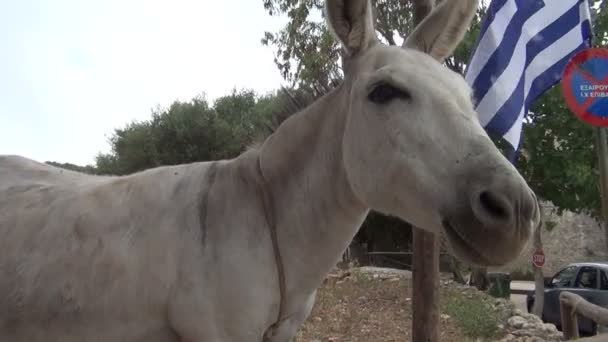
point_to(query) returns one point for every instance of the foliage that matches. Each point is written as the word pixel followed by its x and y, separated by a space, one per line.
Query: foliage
pixel 309 57
pixel 600 22
pixel 525 273
pixel 474 314
pixel 305 41
pixel 559 158
pixel 188 132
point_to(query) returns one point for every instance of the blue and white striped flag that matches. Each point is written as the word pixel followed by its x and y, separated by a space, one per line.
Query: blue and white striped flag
pixel 521 51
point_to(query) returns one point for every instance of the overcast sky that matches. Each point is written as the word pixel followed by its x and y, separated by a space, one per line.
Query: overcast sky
pixel 71 71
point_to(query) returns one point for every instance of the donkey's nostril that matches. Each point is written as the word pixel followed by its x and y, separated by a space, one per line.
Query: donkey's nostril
pixel 494 206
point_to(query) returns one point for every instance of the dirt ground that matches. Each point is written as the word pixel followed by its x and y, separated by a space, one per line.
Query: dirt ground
pixel 357 308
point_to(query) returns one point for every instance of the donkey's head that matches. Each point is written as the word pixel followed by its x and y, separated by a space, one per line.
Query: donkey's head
pixel 413 145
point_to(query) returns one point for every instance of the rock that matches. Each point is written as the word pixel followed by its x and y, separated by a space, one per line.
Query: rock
pixel 385 272
pixel 532 318
pixel 516 322
pixel 508 338
pixel 523 332
pixel 550 328
pixel 525 327
pixel 534 339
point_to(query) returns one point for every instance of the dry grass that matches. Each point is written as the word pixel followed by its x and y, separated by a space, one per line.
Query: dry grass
pixel 360 308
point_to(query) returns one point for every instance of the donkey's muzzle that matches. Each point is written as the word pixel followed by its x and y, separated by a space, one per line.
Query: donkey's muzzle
pixel 505 209
pixel 496 223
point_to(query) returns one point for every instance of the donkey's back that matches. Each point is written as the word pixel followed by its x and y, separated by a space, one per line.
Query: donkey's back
pixel 88 258
pixel 17 171
pixel 142 257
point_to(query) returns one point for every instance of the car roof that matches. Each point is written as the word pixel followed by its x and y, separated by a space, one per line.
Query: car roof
pixel 599 264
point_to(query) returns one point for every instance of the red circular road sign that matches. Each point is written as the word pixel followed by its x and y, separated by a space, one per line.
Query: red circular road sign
pixel 585 86
pixel 538 258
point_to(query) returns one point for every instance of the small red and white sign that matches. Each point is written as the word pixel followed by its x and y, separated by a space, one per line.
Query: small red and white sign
pixel 538 258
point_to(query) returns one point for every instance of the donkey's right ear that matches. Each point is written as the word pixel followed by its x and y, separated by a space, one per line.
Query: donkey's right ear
pixel 351 22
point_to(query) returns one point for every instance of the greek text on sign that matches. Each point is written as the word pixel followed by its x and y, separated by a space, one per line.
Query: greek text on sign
pixel 595 90
pixel 585 86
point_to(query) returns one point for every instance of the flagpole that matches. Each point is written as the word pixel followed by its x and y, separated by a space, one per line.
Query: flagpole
pixel 602 151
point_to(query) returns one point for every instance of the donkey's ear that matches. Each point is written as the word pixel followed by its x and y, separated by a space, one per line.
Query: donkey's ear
pixel 441 31
pixel 351 22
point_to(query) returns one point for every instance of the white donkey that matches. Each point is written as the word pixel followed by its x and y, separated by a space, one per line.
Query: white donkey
pixel 234 250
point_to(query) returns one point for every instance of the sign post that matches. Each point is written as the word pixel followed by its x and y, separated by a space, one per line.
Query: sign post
pixel 585 89
pixel 602 151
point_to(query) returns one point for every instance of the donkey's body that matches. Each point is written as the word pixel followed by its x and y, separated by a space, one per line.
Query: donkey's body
pixel 155 256
pixel 174 251
pixel 185 253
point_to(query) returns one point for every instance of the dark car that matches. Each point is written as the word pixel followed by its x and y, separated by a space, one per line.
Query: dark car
pixel 589 280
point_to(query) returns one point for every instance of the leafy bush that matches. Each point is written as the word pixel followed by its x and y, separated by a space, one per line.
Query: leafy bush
pixel 474 314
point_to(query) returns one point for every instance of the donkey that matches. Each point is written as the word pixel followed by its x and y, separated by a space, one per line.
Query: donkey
pixel 234 250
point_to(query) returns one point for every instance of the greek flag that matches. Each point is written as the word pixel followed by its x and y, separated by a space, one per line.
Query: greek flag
pixel 522 49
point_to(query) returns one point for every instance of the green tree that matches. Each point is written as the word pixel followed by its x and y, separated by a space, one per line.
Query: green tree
pixel 189 131
pixel 309 57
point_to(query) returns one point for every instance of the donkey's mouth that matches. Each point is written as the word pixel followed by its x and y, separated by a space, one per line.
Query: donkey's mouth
pixel 463 247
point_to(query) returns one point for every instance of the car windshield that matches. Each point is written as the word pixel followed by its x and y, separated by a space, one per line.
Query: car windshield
pixel 564 277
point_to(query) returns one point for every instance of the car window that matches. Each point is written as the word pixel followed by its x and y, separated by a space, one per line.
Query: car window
pixel 564 278
pixel 587 278
pixel 603 281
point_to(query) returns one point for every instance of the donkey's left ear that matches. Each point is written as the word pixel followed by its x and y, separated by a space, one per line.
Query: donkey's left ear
pixel 351 22
pixel 441 31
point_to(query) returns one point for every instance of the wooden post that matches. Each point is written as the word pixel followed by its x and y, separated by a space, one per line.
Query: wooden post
pixel 602 154
pixel 425 279
pixel 571 305
pixel 569 321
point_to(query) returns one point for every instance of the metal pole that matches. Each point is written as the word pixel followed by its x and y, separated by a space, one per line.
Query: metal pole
pixel 602 151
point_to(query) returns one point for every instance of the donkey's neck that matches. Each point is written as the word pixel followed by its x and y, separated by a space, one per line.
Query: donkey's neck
pixel 316 211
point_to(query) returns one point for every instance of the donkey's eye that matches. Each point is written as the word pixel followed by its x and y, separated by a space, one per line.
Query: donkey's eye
pixel 384 92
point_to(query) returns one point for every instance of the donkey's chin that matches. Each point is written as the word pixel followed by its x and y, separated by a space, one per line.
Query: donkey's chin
pixel 478 253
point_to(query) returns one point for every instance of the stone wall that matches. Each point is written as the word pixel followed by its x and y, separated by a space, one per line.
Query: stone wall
pixel 574 238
